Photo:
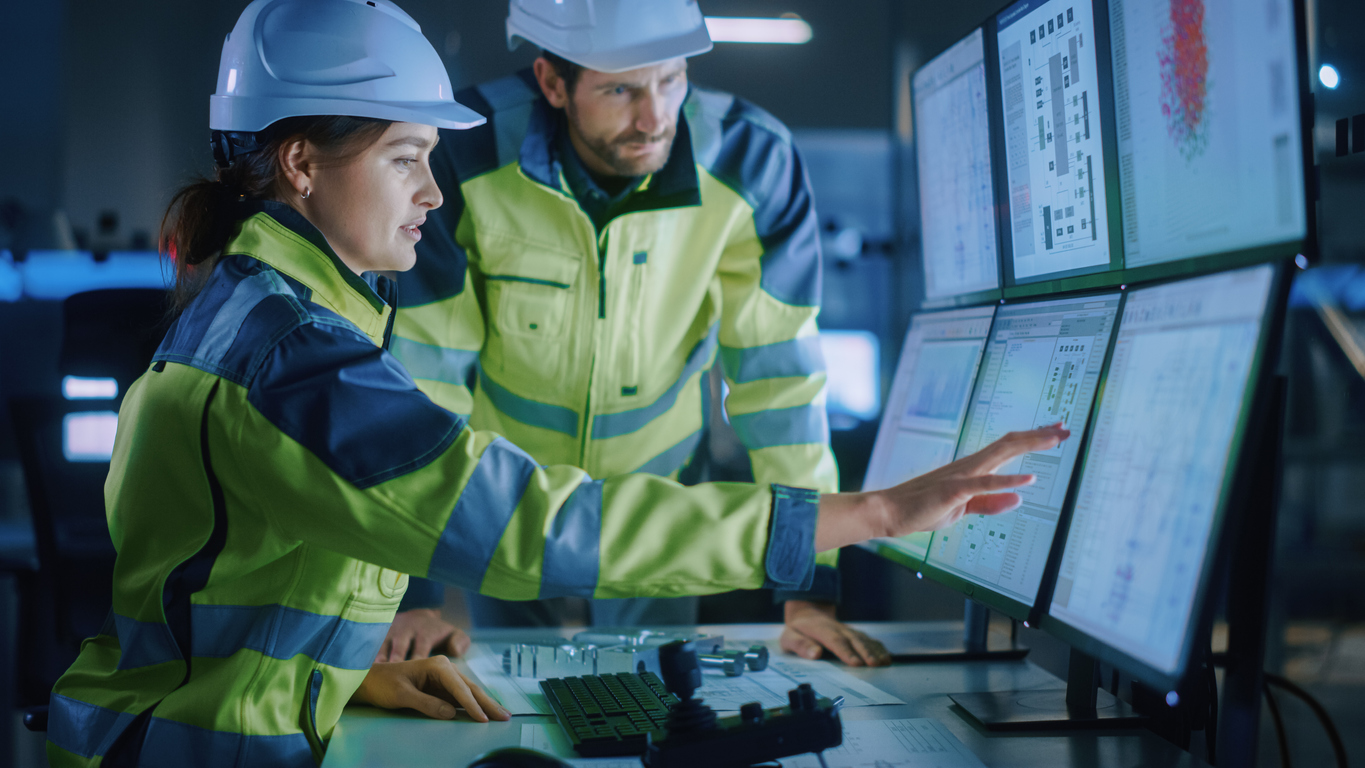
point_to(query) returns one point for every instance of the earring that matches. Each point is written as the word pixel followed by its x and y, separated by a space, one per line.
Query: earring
pixel 306 193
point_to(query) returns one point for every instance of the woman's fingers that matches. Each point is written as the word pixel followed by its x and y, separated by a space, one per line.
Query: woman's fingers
pixel 479 705
pixel 993 503
pixel 967 487
pixel 1014 445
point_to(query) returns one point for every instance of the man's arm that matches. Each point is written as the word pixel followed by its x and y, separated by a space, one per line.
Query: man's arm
pixel 771 359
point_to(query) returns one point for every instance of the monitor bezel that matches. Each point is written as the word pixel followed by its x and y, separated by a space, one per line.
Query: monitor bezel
pixel 1233 489
pixel 1010 606
pixel 971 298
pixel 881 546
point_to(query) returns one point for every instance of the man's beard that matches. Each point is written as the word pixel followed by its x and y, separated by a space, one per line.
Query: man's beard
pixel 609 150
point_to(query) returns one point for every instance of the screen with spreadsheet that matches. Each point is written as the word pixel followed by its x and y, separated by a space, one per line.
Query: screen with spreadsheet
pixel 1158 463
pixel 1206 102
pixel 956 190
pixel 1054 154
pixel 1041 366
pixel 926 405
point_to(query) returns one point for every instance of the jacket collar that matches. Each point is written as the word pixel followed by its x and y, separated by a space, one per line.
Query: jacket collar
pixel 277 235
pixel 673 186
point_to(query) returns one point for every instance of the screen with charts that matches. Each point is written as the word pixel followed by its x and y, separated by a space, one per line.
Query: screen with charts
pixel 1042 366
pixel 1157 463
pixel 1053 151
pixel 1206 103
pixel 956 191
pixel 928 398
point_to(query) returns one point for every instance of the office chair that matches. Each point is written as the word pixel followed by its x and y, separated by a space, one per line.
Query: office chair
pixel 107 335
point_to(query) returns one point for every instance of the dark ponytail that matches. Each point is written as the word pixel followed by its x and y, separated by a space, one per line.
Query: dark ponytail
pixel 204 215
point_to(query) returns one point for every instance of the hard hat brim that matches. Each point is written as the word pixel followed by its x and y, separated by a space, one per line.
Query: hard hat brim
pixel 236 113
pixel 693 43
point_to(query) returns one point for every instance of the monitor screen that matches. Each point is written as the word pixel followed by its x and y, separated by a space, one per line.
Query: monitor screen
pixel 1158 463
pixel 853 373
pixel 1206 103
pixel 1054 156
pixel 925 408
pixel 1042 366
pixel 956 191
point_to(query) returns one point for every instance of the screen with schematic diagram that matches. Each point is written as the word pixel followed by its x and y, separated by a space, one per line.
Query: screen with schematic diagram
pixel 1041 366
pixel 1054 155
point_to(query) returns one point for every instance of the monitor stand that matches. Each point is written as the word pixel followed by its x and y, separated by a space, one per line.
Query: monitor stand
pixel 975 625
pixel 1082 704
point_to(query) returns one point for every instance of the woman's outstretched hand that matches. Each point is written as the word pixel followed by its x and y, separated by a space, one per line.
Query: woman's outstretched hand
pixel 936 499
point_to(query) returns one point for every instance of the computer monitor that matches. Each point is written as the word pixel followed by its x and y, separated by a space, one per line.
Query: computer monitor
pixel 1209 136
pixel 1042 365
pixel 956 187
pixel 1050 89
pixel 925 408
pixel 1153 486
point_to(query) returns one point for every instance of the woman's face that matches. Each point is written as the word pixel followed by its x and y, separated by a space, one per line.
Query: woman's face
pixel 370 206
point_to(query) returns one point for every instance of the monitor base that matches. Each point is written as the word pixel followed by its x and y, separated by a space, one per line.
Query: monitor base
pixel 1045 711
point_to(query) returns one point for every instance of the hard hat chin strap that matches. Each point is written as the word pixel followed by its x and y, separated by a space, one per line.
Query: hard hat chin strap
pixel 230 146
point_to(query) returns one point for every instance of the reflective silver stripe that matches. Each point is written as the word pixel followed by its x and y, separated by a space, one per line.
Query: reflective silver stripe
pixel 83 729
pixel 172 745
pixel 481 515
pixel 794 357
pixel 572 553
pixel 281 632
pixel 672 459
pixel 428 361
pixel 782 426
pixel 144 643
pixel 223 331
pixel 617 424
pixel 543 415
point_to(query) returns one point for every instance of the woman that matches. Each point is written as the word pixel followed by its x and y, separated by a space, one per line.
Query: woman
pixel 276 472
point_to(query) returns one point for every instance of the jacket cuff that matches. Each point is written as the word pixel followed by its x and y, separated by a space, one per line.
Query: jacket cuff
pixel 790 563
pixel 823 589
pixel 422 593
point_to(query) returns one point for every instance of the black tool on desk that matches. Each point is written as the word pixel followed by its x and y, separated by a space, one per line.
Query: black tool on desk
pixel 517 757
pixel 609 715
pixel 696 737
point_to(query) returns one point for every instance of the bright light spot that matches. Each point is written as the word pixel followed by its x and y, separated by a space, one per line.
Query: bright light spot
pixel 919 575
pixel 1026 624
pixel 232 80
pixel 1301 261
pixel 728 29
pixel 1328 76
pixel 851 359
pixel 89 436
pixel 1172 698
pixel 78 388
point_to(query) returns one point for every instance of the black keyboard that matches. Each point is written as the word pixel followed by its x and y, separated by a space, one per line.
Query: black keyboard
pixel 609 715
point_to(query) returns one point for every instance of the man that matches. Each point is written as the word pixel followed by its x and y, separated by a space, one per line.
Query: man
pixel 622 230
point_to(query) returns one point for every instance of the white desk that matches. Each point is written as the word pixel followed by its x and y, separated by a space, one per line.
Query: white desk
pixel 370 737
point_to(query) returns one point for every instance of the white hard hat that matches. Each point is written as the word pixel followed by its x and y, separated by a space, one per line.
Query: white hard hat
pixel 610 35
pixel 359 58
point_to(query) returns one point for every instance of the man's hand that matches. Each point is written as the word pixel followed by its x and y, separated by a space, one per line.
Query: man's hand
pixel 418 634
pixel 811 627
pixel 431 686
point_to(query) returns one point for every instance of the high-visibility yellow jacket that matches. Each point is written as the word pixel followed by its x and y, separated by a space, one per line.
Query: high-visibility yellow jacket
pixel 592 348
pixel 274 475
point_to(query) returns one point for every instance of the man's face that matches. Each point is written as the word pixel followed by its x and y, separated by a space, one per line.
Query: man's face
pixel 623 124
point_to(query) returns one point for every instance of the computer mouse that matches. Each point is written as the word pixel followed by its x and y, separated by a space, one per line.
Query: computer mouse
pixel 518 757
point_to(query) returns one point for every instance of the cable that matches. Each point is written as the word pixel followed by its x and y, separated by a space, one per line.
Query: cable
pixel 1338 747
pixel 821 755
pixel 1285 761
pixel 1211 730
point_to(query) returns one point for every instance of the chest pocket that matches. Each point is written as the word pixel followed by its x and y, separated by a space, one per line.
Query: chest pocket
pixel 529 300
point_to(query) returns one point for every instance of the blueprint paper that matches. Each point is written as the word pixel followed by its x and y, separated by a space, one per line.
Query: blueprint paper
pixel 918 743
